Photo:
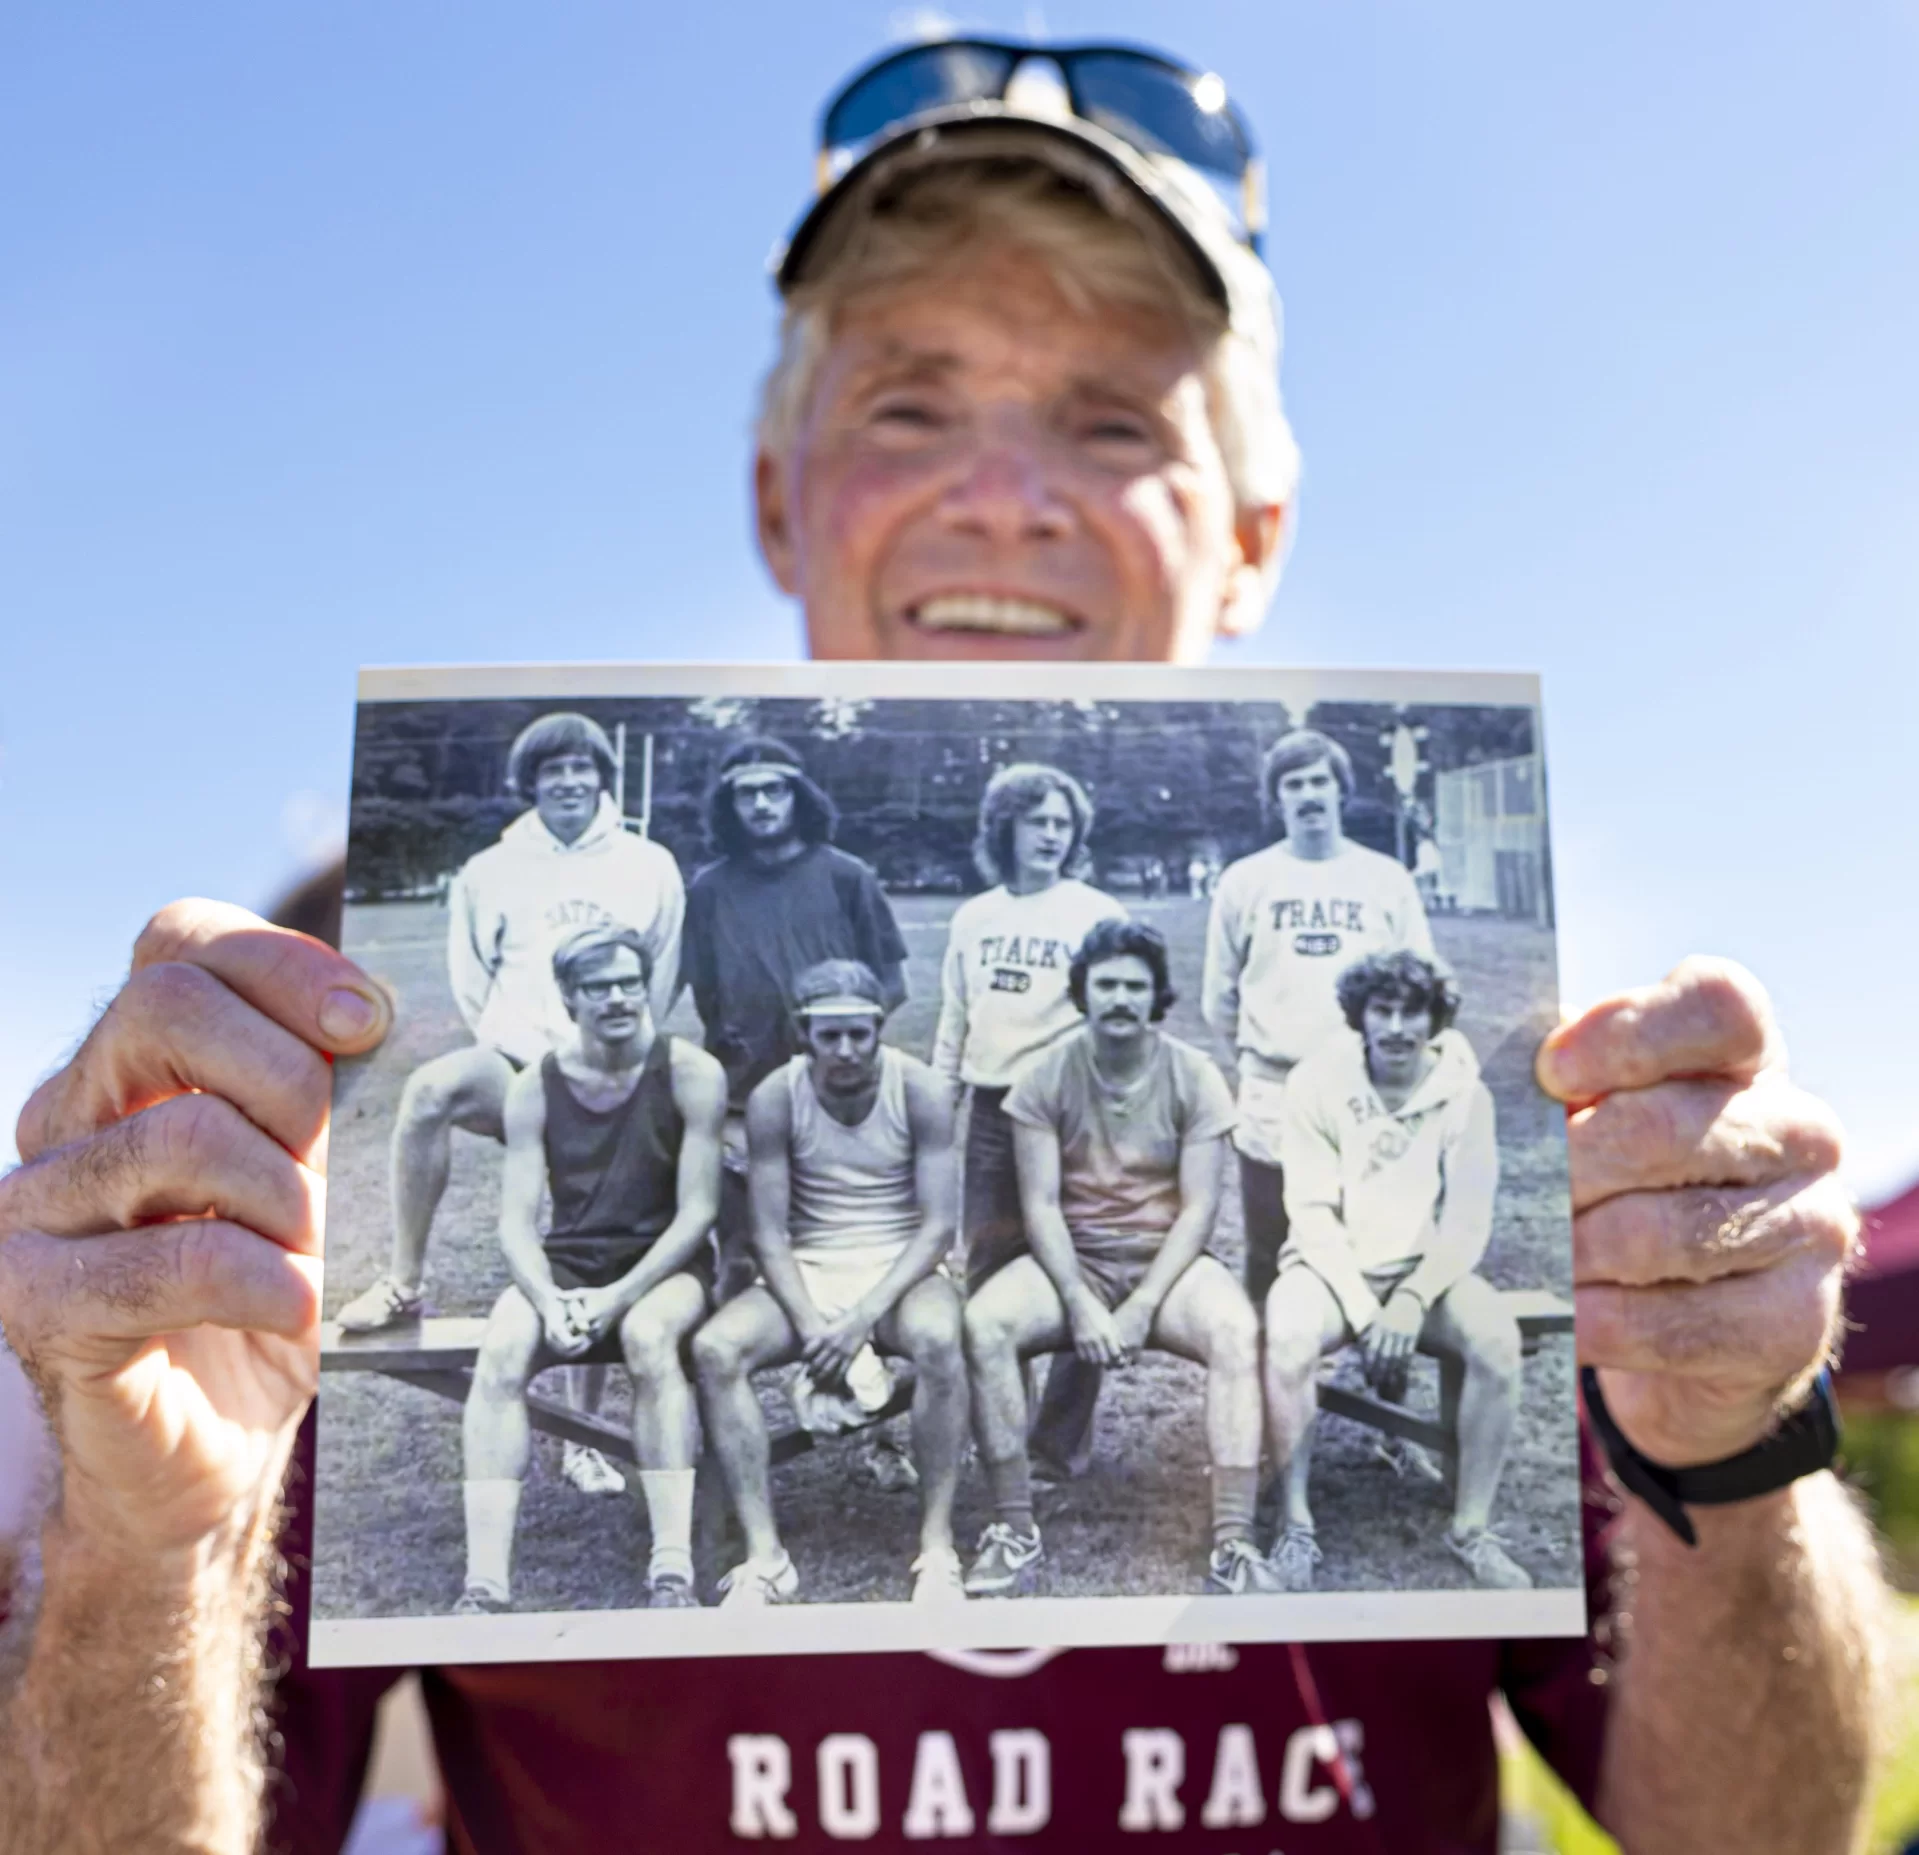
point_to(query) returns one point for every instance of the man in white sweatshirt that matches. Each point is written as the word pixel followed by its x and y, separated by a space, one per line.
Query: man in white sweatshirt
pixel 565 864
pixel 1391 1164
pixel 1286 921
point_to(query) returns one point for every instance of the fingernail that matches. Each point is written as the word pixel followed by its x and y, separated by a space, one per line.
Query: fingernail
pixel 346 1015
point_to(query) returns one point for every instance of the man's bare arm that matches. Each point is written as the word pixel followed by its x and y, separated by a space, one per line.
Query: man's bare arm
pixel 1709 1237
pixel 175 1353
pixel 769 1126
pixel 929 1109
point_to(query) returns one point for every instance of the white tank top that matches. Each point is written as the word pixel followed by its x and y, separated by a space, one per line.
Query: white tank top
pixel 851 1187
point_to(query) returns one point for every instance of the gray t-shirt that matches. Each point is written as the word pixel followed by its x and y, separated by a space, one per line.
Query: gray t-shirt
pixel 1119 1147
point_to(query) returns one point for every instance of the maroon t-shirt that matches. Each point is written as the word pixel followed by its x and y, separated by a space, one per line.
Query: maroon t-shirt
pixel 1274 1749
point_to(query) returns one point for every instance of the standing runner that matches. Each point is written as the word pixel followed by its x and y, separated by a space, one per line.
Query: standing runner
pixel 1003 999
pixel 565 864
pixel 1026 406
pixel 781 898
pixel 1286 922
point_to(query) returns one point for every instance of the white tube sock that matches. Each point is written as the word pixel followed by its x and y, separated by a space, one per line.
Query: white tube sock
pixel 669 1511
pixel 492 1511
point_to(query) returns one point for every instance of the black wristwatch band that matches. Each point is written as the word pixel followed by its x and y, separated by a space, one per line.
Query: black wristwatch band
pixel 1804 1443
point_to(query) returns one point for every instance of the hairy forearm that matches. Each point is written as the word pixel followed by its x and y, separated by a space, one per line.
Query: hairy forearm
pixel 137 1723
pixel 1749 1679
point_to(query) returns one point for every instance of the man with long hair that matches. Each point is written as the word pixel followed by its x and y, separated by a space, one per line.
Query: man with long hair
pixel 1003 1000
pixel 1026 405
pixel 1392 1164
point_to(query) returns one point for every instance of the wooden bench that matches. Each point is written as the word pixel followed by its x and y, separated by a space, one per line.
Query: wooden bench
pixel 437 1354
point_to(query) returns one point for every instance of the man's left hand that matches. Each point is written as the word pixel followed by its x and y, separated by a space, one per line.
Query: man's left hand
pixel 1386 1348
pixel 1710 1232
pixel 831 1352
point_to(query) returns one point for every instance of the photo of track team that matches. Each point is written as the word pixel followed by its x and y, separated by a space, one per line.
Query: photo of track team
pixel 1036 1169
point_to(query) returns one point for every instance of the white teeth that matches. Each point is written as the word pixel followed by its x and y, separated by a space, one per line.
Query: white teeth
pixel 982 612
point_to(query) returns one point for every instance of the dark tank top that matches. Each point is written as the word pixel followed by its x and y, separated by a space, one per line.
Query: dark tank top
pixel 614 1174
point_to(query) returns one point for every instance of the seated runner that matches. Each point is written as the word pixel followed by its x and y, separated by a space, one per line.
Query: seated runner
pixel 1391 1166
pixel 1120 1138
pixel 623 1124
pixel 850 1149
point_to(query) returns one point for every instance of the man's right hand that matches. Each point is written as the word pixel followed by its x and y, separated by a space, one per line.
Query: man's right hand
pixel 1096 1335
pixel 159 1245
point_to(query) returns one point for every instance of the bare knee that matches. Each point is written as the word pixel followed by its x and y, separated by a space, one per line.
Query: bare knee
pixel 1292 1347
pixel 651 1351
pixel 1488 1340
pixel 986 1336
pixel 428 1100
pixel 934 1338
pixel 1234 1342
pixel 500 1373
pixel 717 1358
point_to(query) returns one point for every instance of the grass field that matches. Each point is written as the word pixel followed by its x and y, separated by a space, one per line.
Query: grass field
pixel 389 1521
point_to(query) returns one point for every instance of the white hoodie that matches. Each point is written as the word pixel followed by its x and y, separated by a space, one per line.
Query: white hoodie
pixel 515 902
pixel 1370 1189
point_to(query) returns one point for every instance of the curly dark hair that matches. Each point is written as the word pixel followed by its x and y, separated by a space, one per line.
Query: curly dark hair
pixel 1424 984
pixel 815 816
pixel 1010 794
pixel 1117 938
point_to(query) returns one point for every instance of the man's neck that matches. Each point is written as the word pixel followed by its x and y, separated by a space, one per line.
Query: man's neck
pixel 850 1110
pixel 1031 882
pixel 1395 1095
pixel 610 1064
pixel 1318 848
pixel 771 856
pixel 1123 1059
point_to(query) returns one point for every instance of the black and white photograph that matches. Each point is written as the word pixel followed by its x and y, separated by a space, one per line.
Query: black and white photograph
pixel 875 1157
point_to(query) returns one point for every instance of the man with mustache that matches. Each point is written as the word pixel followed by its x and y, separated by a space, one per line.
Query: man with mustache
pixel 1391 1164
pixel 1026 405
pixel 1285 922
pixel 781 897
pixel 621 1124
pixel 1119 1132
pixel 854 1195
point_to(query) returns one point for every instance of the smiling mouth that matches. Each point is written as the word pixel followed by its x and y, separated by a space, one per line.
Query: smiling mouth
pixel 985 612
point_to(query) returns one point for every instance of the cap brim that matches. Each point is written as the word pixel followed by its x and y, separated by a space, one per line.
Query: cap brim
pixel 1078 149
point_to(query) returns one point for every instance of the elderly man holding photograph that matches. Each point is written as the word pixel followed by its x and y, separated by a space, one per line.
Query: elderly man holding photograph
pixel 1026 405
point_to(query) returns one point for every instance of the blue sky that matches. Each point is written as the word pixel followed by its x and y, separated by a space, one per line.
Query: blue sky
pixel 360 333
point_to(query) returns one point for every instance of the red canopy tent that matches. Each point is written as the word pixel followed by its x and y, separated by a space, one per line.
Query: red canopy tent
pixel 1880 1363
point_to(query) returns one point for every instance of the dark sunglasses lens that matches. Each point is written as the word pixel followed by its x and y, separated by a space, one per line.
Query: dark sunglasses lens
pixel 1157 108
pixel 915 81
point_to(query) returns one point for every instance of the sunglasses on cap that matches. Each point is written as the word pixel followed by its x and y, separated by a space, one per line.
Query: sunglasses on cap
pixel 1151 103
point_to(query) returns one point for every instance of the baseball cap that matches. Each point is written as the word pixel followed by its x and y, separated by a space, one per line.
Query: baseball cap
pixel 1153 141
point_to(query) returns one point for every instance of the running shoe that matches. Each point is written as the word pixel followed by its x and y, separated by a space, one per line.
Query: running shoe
pixel 669 1591
pixel 1484 1554
pixel 937 1579
pixel 1006 1562
pixel 1409 1461
pixel 481 1599
pixel 1238 1566
pixel 386 1303
pixel 1293 1557
pixel 760 1582
pixel 589 1471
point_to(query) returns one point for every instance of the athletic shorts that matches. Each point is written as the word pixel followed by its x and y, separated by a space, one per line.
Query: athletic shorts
pixel 836 1276
pixel 1382 1282
pixel 607 1350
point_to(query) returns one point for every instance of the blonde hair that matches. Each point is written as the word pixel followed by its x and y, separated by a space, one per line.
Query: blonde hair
pixel 1094 259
